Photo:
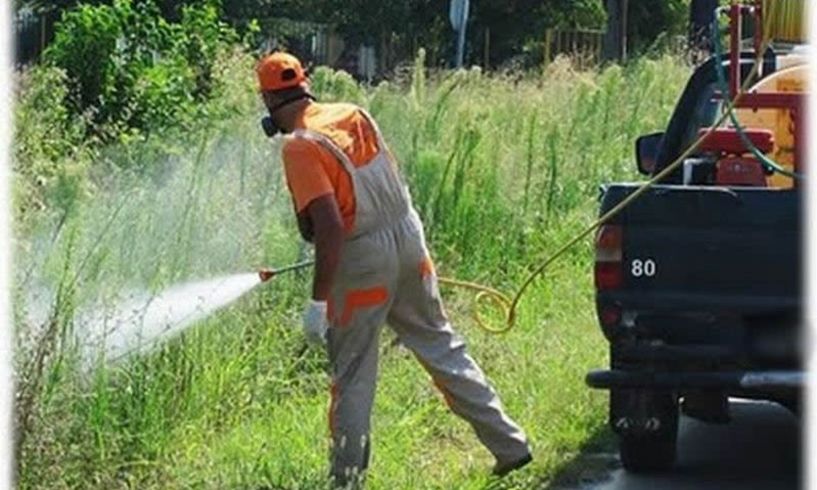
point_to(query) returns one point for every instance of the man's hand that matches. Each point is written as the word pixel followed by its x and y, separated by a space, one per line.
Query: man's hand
pixel 315 322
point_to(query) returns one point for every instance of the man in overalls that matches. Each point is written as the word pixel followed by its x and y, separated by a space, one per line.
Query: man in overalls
pixel 372 268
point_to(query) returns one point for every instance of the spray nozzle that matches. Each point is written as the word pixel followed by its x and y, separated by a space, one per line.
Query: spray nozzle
pixel 266 274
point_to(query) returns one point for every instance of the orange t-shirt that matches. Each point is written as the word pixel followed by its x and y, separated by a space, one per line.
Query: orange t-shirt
pixel 313 171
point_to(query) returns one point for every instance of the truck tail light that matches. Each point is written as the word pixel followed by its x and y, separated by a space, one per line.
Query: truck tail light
pixel 608 268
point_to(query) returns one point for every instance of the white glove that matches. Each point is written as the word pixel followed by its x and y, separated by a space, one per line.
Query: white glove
pixel 315 322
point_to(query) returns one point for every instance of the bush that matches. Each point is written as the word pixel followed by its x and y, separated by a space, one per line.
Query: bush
pixel 114 74
pixel 163 94
pixel 201 38
pixel 45 133
pixel 128 68
pixel 84 47
pixel 336 85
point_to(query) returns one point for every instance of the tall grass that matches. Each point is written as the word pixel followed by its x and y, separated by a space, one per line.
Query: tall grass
pixel 502 168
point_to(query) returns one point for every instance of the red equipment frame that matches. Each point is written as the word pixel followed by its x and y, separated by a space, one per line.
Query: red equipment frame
pixel 795 102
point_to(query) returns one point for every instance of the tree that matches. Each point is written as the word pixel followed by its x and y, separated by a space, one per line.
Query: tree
pixel 615 41
pixel 397 28
pixel 649 19
pixel 518 26
pixel 635 26
pixel 701 15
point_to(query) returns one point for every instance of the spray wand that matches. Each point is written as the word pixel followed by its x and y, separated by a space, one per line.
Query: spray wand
pixel 267 274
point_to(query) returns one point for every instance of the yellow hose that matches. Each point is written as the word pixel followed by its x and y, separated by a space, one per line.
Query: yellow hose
pixel 784 20
pixel 508 305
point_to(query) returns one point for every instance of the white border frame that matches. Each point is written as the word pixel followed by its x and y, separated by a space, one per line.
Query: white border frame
pixel 6 376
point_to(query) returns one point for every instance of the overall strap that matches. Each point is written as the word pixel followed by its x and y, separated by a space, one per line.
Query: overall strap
pixel 327 143
pixel 381 143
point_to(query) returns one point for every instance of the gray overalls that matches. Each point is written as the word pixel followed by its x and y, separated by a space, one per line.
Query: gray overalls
pixel 385 275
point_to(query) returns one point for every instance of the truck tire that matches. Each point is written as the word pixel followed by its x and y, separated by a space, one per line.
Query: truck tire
pixel 648 453
pixel 651 452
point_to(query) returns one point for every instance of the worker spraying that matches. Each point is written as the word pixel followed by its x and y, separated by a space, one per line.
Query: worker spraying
pixel 372 267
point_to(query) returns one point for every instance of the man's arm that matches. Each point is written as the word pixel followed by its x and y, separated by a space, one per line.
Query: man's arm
pixel 327 226
pixel 304 225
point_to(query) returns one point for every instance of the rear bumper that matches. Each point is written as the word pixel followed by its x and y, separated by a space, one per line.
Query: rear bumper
pixel 722 380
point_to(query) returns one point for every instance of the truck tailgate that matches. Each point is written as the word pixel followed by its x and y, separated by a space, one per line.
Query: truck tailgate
pixel 709 248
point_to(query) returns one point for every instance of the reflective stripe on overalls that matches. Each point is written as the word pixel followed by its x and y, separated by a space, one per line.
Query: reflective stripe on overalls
pixel 384 276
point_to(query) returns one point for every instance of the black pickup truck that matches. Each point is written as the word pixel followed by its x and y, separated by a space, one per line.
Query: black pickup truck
pixel 698 289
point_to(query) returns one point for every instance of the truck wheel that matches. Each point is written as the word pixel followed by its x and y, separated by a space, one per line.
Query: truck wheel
pixel 648 453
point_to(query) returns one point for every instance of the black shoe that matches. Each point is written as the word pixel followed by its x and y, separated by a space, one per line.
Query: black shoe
pixel 503 469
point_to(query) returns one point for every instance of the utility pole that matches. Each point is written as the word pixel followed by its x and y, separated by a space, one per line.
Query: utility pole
pixel 458 15
pixel 615 40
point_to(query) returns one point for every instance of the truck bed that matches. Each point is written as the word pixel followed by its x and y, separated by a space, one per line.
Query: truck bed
pixel 731 251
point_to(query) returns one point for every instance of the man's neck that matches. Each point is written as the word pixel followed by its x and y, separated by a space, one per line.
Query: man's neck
pixel 287 116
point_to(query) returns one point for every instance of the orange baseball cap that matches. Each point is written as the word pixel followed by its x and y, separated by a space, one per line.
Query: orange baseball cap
pixel 279 71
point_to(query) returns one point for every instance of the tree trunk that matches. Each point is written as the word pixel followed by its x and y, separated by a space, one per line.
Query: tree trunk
pixel 701 16
pixel 615 40
pixel 384 55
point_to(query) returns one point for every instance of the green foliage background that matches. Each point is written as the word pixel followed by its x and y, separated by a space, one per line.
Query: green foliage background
pixel 115 74
pixel 128 68
pixel 120 70
pixel 516 26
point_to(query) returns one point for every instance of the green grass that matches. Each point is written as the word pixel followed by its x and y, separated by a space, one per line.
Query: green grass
pixel 503 170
